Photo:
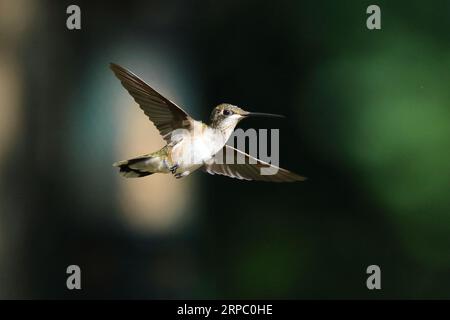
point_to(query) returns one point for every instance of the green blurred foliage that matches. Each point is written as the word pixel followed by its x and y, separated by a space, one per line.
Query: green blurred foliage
pixel 391 124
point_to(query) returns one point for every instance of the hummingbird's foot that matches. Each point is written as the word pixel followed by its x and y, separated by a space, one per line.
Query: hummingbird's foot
pixel 181 175
pixel 173 169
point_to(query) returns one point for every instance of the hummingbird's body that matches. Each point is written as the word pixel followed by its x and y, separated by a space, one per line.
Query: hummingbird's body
pixel 191 144
pixel 197 147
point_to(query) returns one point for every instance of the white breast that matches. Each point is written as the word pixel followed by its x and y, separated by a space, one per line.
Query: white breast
pixel 197 147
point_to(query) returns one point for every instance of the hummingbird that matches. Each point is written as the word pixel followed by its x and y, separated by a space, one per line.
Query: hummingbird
pixel 192 144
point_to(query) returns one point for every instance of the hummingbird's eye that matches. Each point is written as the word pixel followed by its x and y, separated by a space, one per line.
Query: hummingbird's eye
pixel 227 112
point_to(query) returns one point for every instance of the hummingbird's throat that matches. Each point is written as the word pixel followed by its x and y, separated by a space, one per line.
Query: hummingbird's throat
pixel 227 130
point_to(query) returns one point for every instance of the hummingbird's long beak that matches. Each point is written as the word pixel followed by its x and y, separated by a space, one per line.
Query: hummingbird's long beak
pixel 262 114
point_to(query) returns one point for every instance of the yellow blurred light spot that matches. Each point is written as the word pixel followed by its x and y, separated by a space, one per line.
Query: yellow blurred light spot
pixel 158 202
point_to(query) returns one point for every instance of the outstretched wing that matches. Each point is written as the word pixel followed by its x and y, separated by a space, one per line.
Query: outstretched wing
pixel 165 114
pixel 251 170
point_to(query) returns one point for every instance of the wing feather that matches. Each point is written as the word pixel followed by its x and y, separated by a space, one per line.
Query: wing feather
pixel 249 171
pixel 164 114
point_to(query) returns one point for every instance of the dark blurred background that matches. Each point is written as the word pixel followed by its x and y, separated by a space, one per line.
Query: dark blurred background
pixel 368 123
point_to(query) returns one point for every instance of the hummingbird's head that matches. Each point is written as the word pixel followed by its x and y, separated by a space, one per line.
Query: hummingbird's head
pixel 226 116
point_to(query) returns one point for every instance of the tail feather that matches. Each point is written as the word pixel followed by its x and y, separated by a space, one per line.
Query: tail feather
pixel 134 168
